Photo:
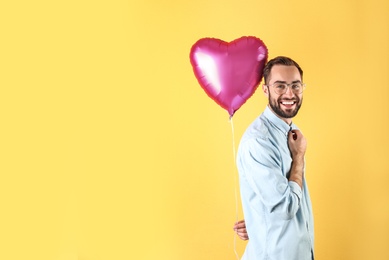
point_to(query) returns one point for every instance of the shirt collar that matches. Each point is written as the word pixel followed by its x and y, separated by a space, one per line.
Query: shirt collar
pixel 278 122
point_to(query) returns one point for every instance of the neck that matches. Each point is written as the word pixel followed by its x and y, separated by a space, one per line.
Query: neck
pixel 286 120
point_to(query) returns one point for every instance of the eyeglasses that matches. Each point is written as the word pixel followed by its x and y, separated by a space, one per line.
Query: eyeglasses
pixel 281 88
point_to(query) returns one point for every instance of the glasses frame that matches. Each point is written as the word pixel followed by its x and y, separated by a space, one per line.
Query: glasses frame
pixel 303 86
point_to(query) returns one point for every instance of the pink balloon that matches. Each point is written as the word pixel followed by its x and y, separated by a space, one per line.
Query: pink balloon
pixel 229 72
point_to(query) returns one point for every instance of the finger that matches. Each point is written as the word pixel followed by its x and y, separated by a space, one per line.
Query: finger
pixel 243 236
pixel 294 134
pixel 242 232
pixel 240 226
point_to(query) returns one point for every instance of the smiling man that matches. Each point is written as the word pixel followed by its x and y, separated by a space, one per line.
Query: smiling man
pixel 275 197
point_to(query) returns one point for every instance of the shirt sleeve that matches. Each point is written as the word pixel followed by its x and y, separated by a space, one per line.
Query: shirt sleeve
pixel 259 163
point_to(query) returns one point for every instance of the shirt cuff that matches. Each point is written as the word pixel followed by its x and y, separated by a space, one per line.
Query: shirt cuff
pixel 295 188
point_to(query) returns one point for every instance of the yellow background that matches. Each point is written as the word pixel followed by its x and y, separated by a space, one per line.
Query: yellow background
pixel 111 150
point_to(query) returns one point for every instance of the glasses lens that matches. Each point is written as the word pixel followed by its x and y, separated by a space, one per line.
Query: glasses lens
pixel 281 88
pixel 297 88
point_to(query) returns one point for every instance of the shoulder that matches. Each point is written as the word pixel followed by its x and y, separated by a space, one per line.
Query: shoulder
pixel 257 139
pixel 259 129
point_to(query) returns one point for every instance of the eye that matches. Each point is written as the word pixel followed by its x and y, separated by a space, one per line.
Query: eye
pixel 280 86
pixel 296 86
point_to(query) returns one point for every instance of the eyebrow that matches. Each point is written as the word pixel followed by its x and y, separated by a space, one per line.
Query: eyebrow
pixel 280 81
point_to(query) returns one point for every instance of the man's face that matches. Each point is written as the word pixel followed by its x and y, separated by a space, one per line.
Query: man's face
pixel 288 104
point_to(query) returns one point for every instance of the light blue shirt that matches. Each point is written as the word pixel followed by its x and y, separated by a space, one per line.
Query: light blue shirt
pixel 278 213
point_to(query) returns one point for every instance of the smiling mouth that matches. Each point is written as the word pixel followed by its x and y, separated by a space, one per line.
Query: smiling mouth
pixel 288 102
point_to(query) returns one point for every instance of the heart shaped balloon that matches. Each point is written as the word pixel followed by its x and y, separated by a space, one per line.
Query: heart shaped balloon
pixel 229 72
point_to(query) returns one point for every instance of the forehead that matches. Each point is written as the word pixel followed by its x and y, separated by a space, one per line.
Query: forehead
pixel 284 73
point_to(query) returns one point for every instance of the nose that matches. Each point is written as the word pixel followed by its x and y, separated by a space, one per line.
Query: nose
pixel 289 92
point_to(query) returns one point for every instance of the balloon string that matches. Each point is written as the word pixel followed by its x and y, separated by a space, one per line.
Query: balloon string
pixel 235 183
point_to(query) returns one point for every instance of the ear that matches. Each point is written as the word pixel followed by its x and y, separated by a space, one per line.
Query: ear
pixel 265 90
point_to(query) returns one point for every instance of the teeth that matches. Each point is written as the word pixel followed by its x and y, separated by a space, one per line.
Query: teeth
pixel 288 102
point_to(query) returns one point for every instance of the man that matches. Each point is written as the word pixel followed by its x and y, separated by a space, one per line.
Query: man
pixel 275 197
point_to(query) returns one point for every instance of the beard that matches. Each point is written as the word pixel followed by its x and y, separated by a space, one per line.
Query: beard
pixel 275 105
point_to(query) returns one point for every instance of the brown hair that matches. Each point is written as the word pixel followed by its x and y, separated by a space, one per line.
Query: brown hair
pixel 280 60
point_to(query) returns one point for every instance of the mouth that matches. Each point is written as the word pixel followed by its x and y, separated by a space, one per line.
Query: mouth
pixel 288 103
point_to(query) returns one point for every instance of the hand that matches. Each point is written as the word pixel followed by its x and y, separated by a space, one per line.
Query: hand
pixel 297 144
pixel 240 229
